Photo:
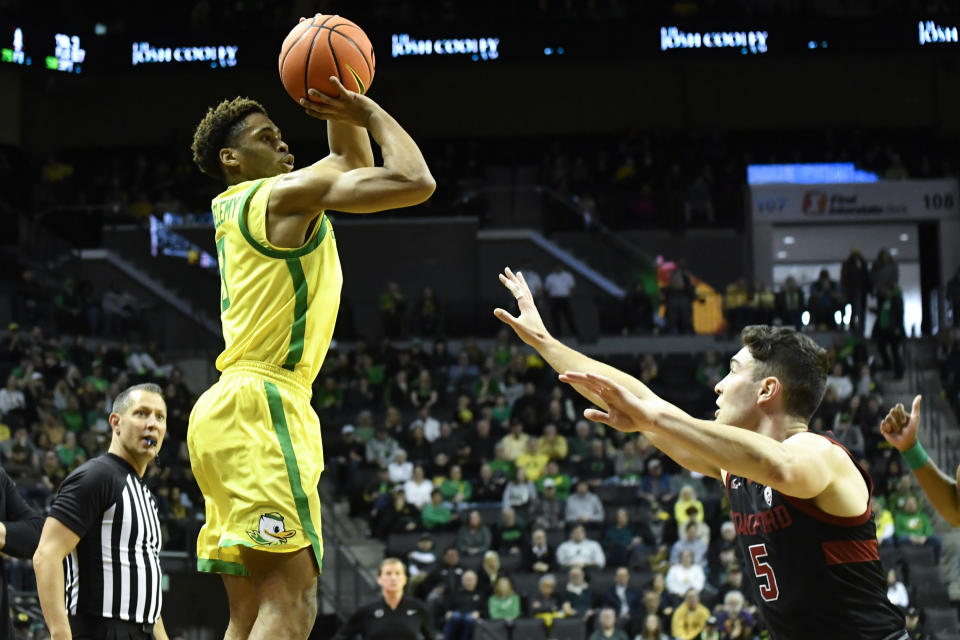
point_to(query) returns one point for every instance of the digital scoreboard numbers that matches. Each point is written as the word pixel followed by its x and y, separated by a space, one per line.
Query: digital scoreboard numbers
pixel 15 53
pixel 67 54
pixel 61 53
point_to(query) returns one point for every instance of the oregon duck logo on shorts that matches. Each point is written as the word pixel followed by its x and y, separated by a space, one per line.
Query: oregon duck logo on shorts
pixel 271 530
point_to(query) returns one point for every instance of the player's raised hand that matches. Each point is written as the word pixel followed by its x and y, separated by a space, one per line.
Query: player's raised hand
pixel 528 325
pixel 626 412
pixel 900 429
pixel 347 106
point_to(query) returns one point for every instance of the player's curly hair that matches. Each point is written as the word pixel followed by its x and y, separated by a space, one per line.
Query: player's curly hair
pixel 214 130
pixel 795 359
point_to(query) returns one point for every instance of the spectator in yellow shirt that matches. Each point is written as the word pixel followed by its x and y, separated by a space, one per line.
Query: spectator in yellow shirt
pixel 883 518
pixel 687 498
pixel 690 618
pixel 533 461
pixel 552 444
pixel 515 442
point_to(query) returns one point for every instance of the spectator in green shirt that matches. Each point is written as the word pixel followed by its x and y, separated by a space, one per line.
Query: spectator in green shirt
pixel 455 489
pixel 72 417
pixel 912 526
pixel 580 446
pixel 501 465
pixel 561 481
pixel 504 604
pixel 620 539
pixel 100 383
pixel 70 453
pixel 435 514
pixel 500 412
pixel 474 536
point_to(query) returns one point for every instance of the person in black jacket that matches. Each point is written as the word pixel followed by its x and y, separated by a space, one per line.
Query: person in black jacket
pixel 20 527
pixel 888 330
pixel 394 616
pixel 539 557
pixel 464 607
pixel 621 597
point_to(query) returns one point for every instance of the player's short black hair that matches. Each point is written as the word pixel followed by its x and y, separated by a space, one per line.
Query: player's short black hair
pixel 213 132
pixel 798 362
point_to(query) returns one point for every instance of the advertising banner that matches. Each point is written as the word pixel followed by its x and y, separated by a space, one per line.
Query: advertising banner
pixel 827 203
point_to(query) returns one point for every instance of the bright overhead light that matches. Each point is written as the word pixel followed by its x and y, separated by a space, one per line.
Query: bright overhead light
pixel 789 240
pixel 904 237
pixel 781 255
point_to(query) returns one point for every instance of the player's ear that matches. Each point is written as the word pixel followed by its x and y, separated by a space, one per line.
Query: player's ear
pixel 770 389
pixel 228 157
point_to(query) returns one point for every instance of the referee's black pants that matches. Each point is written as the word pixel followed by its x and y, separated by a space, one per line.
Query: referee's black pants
pixel 94 628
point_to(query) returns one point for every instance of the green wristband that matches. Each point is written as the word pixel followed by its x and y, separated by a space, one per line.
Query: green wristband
pixel 915 456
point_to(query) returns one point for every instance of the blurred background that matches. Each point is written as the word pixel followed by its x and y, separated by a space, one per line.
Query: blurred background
pixel 694 165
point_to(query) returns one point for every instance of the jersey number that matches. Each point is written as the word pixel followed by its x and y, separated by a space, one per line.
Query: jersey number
pixel 761 569
pixel 224 292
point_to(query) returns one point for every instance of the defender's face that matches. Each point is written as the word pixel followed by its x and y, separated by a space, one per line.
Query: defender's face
pixel 260 150
pixel 737 392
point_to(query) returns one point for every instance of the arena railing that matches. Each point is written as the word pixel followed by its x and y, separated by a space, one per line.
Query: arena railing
pixel 347 583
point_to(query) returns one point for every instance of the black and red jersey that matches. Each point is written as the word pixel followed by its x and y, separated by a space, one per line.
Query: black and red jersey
pixel 813 575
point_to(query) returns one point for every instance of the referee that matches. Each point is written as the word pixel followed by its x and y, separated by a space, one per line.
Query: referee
pixel 98 561
pixel 393 616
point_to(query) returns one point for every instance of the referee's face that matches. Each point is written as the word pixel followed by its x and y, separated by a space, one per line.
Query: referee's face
pixel 392 578
pixel 138 432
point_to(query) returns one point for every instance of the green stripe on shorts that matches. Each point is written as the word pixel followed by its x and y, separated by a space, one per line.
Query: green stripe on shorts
pixel 205 565
pixel 279 419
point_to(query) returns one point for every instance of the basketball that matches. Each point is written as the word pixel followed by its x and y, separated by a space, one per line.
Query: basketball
pixel 325 46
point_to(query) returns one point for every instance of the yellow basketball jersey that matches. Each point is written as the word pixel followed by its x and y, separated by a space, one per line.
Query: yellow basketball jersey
pixel 277 305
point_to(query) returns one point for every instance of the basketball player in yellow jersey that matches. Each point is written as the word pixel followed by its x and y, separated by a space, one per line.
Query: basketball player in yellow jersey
pixel 254 439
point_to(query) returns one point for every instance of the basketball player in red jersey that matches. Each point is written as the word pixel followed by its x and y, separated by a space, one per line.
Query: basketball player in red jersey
pixel 799 501
pixel 900 430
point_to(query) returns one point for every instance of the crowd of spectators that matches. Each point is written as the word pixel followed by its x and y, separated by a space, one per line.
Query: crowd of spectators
pixel 475 466
pixel 64 357
pixel 628 180
pixel 478 461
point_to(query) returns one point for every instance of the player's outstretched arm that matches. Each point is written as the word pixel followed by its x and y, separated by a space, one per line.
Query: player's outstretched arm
pixel 900 430
pixel 56 542
pixel 529 327
pixel 403 181
pixel 804 466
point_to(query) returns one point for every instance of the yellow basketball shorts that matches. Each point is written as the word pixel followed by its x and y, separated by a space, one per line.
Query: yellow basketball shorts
pixel 256 453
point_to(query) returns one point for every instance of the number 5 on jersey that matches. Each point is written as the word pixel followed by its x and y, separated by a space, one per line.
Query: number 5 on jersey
pixel 224 292
pixel 761 569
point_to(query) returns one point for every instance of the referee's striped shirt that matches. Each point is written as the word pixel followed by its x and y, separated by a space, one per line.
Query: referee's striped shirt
pixel 114 572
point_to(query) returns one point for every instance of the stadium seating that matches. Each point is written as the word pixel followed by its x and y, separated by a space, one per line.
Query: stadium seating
pixel 937 620
pixel 529 629
pixel 568 629
pixel 490 630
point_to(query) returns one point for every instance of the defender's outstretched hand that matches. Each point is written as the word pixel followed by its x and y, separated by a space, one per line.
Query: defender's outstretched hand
pixel 900 429
pixel 528 325
pixel 626 412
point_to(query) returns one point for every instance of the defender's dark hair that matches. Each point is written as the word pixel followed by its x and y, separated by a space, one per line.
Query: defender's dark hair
pixel 214 131
pixel 798 362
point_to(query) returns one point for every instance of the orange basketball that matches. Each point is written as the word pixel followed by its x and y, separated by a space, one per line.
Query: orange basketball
pixel 325 46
